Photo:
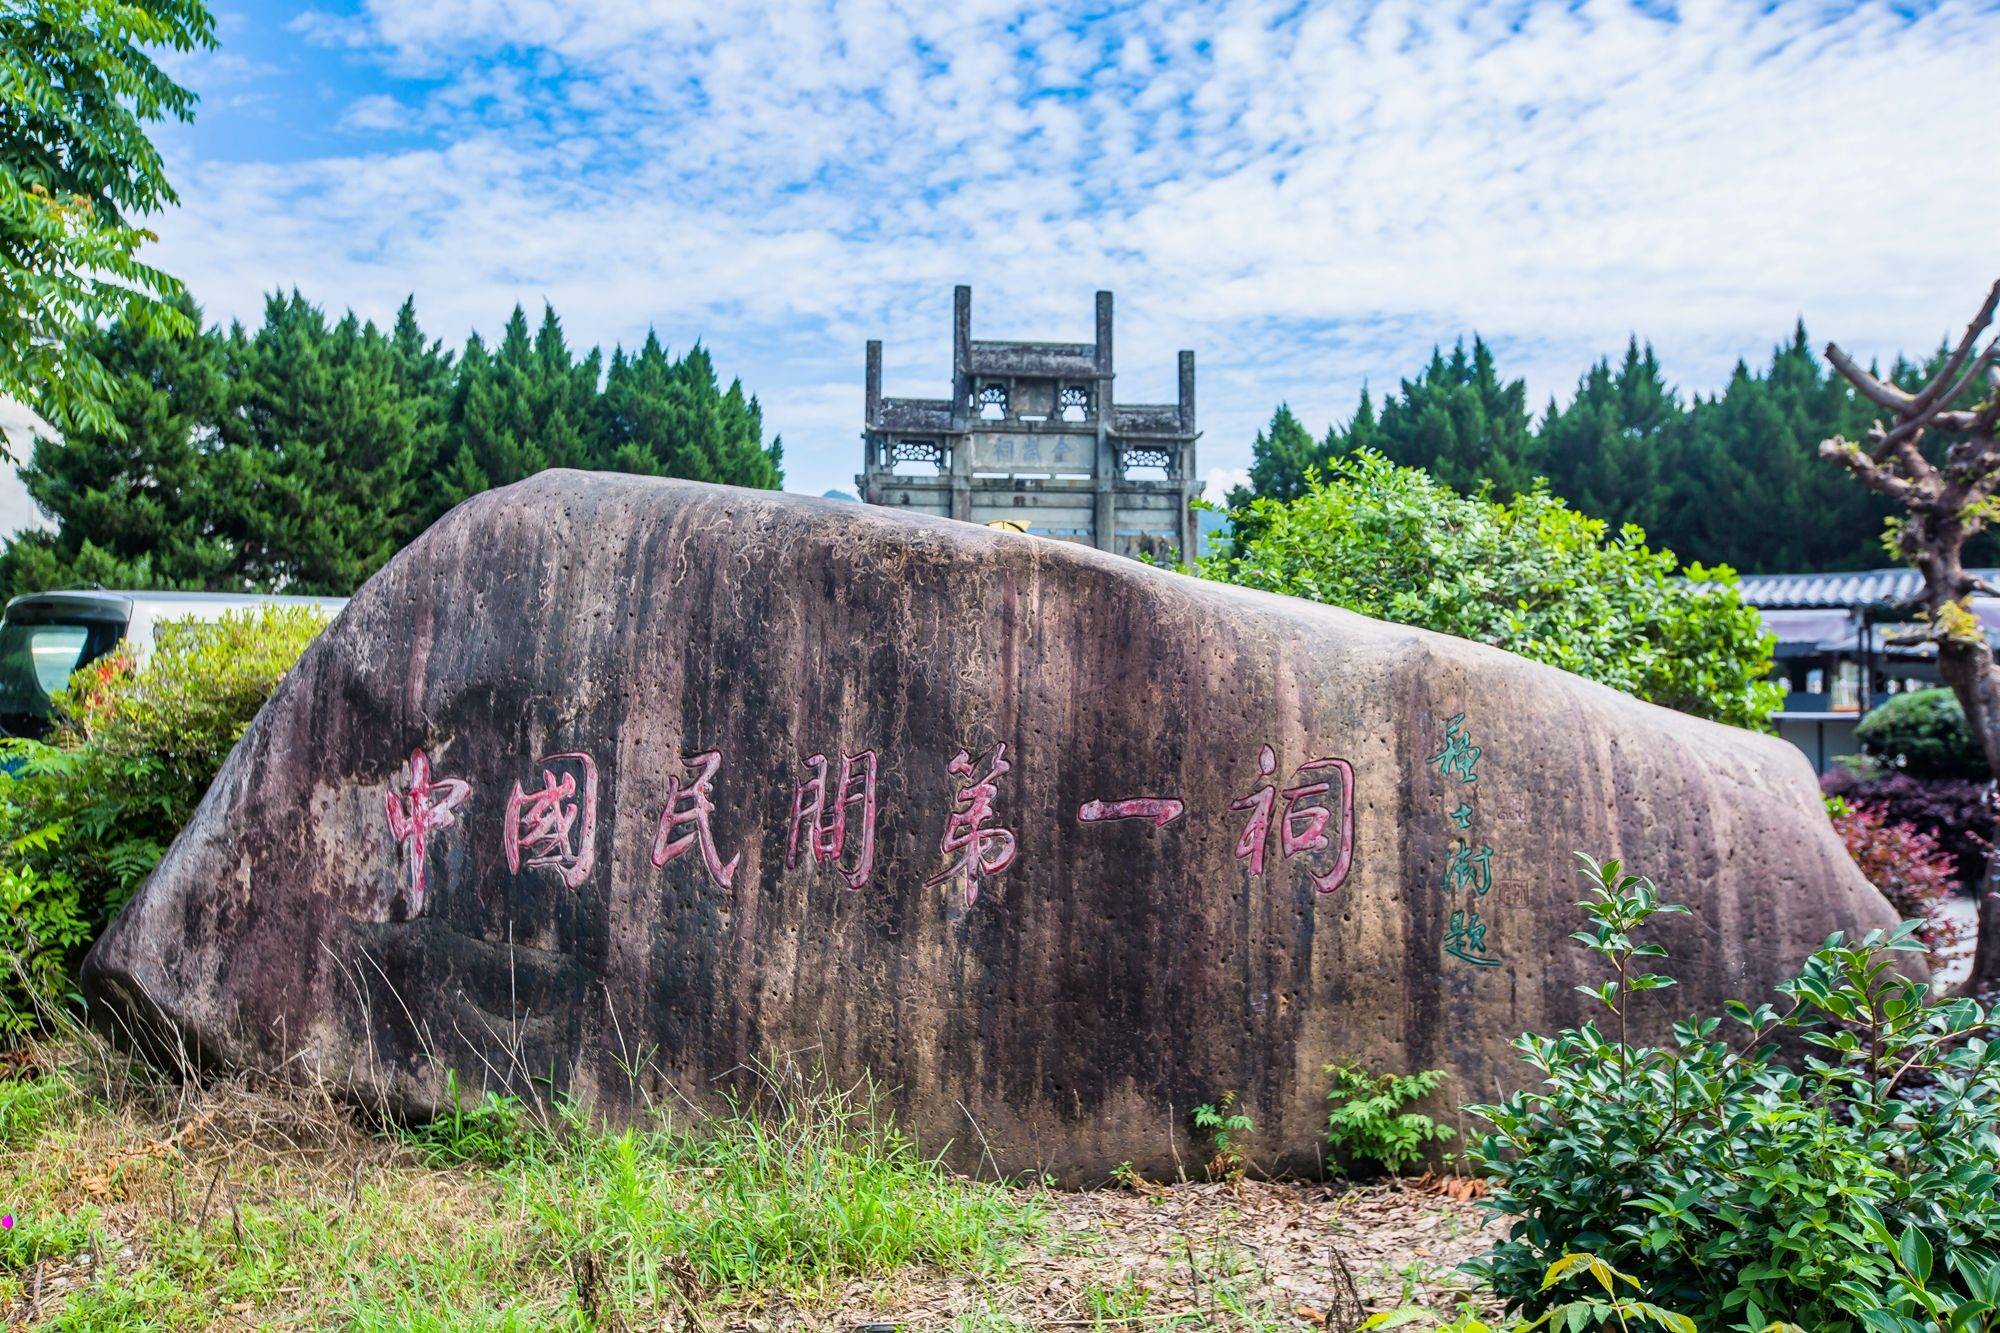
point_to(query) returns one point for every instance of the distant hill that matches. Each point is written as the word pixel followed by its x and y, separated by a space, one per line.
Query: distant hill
pixel 1209 525
pixel 839 495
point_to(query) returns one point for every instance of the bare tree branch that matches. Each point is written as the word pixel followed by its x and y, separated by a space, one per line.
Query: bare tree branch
pixel 1915 466
pixel 1872 474
pixel 1874 390
pixel 1943 508
pixel 1982 365
pixel 1928 394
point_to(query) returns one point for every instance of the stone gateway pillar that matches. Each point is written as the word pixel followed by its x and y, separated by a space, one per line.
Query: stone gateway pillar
pixel 630 783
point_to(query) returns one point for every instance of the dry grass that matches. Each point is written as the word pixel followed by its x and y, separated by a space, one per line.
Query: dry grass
pixel 146 1203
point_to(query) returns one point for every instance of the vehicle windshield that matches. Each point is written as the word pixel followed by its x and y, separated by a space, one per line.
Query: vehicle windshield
pixel 36 660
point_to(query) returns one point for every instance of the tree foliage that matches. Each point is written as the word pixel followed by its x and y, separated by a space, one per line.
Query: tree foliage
pixel 1282 459
pixel 1529 574
pixel 78 88
pixel 301 454
pixel 1729 478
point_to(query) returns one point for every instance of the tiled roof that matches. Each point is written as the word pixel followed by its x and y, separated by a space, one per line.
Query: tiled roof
pixel 1863 587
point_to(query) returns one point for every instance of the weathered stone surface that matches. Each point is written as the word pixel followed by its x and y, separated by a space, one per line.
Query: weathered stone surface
pixel 1112 974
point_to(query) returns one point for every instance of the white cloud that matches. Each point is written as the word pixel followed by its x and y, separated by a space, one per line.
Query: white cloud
pixel 1308 198
pixel 1222 480
pixel 377 111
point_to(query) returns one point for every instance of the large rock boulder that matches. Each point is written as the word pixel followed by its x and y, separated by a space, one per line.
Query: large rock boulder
pixel 629 784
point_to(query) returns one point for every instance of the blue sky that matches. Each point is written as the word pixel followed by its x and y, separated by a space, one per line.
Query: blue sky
pixel 1308 195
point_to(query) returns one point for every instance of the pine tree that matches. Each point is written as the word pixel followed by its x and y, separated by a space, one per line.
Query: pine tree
pixel 493 437
pixel 666 417
pixel 135 499
pixel 1281 458
pixel 320 444
pixel 1730 479
pixel 1748 490
pixel 424 374
pixel 1363 431
pixel 1462 424
pixel 300 456
pixel 1609 450
pixel 562 398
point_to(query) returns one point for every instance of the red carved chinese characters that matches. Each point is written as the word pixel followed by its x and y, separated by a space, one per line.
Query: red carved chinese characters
pixel 1304 828
pixel 980 850
pixel 423 810
pixel 1161 810
pixel 554 825
pixel 826 830
pixel 835 814
pixel 690 805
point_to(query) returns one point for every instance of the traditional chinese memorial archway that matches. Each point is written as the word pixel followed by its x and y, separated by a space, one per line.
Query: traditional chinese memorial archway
pixel 631 784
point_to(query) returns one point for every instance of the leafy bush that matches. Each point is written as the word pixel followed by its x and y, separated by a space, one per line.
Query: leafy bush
pixel 1616 1308
pixel 1905 863
pixel 86 816
pixel 1530 575
pixel 1744 1187
pixel 1227 1128
pixel 492 1131
pixel 42 924
pixel 1368 1123
pixel 1958 812
pixel 1923 734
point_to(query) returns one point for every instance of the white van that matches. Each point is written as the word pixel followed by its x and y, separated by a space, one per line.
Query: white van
pixel 45 636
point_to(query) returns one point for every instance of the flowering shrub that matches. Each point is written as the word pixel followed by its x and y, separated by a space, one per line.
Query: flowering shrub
pixel 1907 864
pixel 85 817
pixel 1957 812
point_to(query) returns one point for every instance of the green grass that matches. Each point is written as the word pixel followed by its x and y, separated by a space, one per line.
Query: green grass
pixel 794 1199
pixel 28 1103
pixel 492 1217
pixel 143 1204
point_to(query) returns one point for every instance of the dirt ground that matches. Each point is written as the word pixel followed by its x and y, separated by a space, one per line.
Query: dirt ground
pixel 1249 1255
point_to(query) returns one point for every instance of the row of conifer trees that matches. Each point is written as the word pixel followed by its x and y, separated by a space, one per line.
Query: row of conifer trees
pixel 1731 478
pixel 301 454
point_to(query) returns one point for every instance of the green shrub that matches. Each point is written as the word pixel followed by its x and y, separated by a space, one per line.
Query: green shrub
pixel 1530 575
pixel 1616 1308
pixel 86 816
pixel 493 1131
pixel 1226 1127
pixel 1923 733
pixel 1744 1186
pixel 42 924
pixel 1368 1123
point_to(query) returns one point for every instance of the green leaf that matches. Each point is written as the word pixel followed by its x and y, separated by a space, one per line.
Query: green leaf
pixel 1915 1251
